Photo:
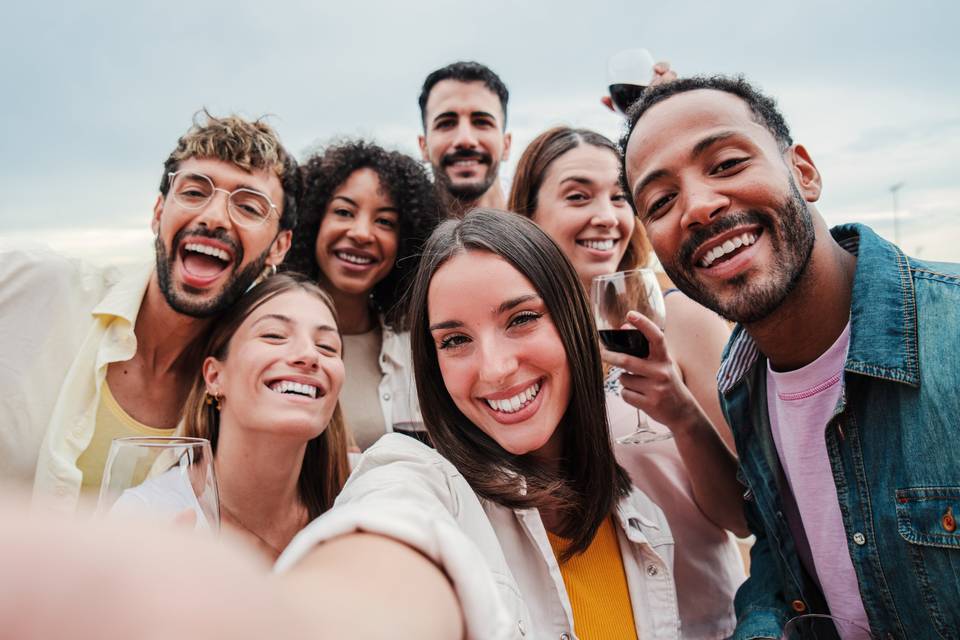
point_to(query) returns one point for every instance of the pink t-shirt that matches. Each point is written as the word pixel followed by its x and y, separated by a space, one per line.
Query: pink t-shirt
pixel 801 403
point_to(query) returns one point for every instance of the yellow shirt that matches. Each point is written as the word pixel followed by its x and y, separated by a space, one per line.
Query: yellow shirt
pixel 597 587
pixel 112 422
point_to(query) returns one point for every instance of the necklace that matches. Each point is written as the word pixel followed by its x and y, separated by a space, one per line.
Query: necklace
pixel 236 519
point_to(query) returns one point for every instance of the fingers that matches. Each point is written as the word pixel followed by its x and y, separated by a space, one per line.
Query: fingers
pixel 650 330
pixel 662 73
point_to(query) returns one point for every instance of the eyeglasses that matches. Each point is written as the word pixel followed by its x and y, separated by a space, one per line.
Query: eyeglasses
pixel 246 207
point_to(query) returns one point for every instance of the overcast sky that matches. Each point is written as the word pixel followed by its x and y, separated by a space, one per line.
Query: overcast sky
pixel 95 94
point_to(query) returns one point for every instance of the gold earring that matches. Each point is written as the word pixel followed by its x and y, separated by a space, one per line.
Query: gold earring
pixel 210 399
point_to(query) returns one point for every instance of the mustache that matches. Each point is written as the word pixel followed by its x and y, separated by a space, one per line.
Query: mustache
pixel 465 154
pixel 724 224
pixel 220 235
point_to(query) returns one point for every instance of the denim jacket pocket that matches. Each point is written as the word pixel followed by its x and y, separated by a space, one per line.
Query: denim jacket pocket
pixel 927 518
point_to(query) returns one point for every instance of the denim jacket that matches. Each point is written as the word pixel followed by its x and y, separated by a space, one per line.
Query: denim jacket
pixel 893 444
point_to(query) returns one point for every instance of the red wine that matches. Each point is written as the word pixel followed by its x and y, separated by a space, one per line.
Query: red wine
pixel 627 341
pixel 624 95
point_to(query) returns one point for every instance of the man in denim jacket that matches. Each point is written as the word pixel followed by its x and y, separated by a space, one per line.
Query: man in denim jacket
pixel 840 381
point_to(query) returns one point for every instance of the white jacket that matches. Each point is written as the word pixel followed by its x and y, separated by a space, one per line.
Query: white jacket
pixel 499 560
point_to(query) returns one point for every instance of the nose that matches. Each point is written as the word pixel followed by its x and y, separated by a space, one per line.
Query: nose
pixel 604 214
pixel 215 214
pixel 701 204
pixel 360 230
pixel 303 353
pixel 466 137
pixel 498 361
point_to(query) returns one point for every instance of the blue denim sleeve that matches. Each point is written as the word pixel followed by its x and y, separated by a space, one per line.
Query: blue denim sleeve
pixel 759 603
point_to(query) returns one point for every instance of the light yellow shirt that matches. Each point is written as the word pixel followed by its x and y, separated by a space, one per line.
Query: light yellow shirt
pixel 62 323
pixel 112 422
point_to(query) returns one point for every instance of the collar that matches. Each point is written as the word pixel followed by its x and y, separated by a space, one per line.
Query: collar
pixel 883 316
pixel 123 300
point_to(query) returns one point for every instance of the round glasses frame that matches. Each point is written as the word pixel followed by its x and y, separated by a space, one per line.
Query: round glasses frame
pixel 239 213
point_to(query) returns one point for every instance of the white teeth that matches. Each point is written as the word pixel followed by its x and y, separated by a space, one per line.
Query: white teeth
pixel 711 256
pixel 599 245
pixel 206 249
pixel 288 386
pixel 355 259
pixel 517 402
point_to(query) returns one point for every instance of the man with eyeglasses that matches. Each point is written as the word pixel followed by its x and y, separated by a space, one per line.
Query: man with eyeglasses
pixel 91 355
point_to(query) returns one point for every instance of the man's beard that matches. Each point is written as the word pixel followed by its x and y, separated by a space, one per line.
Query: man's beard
pixel 468 192
pixel 791 248
pixel 230 292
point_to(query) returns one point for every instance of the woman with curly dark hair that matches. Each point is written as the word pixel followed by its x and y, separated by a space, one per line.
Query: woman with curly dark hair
pixel 365 214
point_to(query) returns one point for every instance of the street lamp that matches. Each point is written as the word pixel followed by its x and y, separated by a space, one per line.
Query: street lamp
pixel 894 190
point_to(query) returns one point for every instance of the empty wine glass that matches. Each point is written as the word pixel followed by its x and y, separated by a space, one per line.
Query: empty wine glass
pixel 613 296
pixel 629 72
pixel 168 478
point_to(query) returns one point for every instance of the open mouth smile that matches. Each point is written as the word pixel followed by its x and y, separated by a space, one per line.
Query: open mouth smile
pixel 292 387
pixel 355 258
pixel 605 244
pixel 719 250
pixel 204 261
pixel 516 402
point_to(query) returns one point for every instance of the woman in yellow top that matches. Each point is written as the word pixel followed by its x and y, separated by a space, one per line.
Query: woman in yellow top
pixel 522 503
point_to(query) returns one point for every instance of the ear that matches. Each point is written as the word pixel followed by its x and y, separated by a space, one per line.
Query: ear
pixel 212 375
pixel 805 173
pixel 157 210
pixel 422 142
pixel 279 248
pixel 507 141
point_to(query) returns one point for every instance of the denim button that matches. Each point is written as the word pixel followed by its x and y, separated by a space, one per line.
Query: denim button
pixel 948 521
pixel 798 606
pixel 859 538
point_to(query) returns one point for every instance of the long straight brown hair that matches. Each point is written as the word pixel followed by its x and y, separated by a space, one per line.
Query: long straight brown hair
pixel 587 484
pixel 325 466
pixel 532 168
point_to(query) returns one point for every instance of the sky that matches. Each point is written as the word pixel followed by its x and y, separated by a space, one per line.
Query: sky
pixel 95 94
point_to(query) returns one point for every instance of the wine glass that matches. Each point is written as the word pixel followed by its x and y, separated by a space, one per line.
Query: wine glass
pixel 820 626
pixel 168 478
pixel 629 72
pixel 613 296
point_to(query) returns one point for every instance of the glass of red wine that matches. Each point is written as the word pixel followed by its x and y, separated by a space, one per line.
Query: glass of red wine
pixel 629 72
pixel 613 296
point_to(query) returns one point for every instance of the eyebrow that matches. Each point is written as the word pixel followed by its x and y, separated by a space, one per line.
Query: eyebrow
pixel 473 114
pixel 578 179
pixel 287 320
pixel 242 185
pixel 354 204
pixel 696 152
pixel 504 307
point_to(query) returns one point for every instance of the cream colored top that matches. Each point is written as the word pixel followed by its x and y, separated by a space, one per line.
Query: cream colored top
pixel 359 397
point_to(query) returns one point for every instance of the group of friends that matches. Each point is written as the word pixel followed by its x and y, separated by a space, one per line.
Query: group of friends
pixel 299 314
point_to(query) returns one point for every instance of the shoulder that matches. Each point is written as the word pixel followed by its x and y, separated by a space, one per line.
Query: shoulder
pixel 400 463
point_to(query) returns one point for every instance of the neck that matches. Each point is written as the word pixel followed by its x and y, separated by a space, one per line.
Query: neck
pixel 353 311
pixel 493 198
pixel 815 313
pixel 164 336
pixel 257 475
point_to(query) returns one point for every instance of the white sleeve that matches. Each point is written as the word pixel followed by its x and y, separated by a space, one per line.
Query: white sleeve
pixel 400 490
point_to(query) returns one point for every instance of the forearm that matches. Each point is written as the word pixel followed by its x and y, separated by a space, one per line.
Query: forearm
pixel 369 586
pixel 712 469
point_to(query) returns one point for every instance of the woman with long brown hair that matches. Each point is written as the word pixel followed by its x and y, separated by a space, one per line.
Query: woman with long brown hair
pixel 567 181
pixel 522 503
pixel 267 400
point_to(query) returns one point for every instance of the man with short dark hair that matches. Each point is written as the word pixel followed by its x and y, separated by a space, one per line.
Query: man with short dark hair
pixel 92 354
pixel 464 111
pixel 840 380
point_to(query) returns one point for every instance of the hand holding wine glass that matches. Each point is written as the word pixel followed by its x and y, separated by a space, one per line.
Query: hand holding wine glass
pixel 629 312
